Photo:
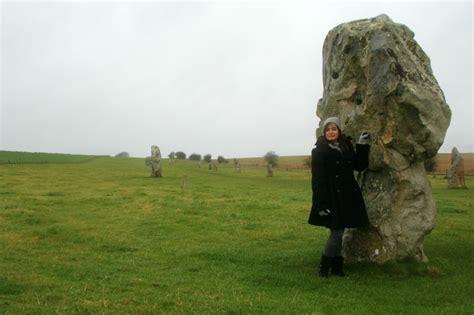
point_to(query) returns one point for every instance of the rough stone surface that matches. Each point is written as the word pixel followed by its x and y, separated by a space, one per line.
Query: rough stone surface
pixel 154 161
pixel 377 78
pixel 456 170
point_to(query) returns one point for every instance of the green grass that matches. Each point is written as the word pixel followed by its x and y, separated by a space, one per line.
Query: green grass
pixel 15 157
pixel 103 237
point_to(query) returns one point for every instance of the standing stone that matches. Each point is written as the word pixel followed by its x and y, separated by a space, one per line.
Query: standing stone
pixel 456 170
pixel 214 167
pixel 154 161
pixel 269 170
pixel 377 78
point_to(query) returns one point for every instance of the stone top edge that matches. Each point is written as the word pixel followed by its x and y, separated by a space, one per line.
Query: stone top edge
pixel 381 21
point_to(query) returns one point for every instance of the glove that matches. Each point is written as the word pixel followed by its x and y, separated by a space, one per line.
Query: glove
pixel 364 138
pixel 324 213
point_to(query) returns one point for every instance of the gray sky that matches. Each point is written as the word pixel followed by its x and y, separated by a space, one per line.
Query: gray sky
pixel 231 78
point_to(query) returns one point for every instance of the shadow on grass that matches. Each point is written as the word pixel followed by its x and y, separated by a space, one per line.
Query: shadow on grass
pixel 291 268
pixel 399 270
pixel 9 287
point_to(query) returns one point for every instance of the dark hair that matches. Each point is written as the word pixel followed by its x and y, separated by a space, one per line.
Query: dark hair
pixel 346 144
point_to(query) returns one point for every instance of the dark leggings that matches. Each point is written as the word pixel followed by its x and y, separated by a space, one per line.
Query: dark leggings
pixel 334 243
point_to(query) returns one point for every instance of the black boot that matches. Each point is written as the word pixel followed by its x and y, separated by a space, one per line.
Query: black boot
pixel 324 266
pixel 337 266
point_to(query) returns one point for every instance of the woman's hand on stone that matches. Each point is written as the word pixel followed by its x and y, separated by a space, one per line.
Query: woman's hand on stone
pixel 364 137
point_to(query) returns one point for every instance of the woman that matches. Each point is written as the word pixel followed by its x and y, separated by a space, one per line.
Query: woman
pixel 337 200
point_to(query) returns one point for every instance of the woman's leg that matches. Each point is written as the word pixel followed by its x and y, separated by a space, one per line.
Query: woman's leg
pixel 333 249
pixel 334 243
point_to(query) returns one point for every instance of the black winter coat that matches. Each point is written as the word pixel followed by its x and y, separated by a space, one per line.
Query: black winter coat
pixel 334 185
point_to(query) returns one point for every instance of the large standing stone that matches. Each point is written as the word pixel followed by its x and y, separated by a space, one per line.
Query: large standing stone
pixel 377 78
pixel 154 161
pixel 456 170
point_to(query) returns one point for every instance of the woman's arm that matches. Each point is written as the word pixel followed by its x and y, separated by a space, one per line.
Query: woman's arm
pixel 361 158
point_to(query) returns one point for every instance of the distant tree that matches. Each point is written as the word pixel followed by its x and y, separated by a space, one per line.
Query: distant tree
pixel 195 157
pixel 307 161
pixel 431 164
pixel 221 159
pixel 172 155
pixel 180 155
pixel 122 154
pixel 208 158
pixel 271 158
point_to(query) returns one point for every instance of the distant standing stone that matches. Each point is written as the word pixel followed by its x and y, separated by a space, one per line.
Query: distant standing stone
pixel 154 161
pixel 270 170
pixel 214 167
pixel 456 170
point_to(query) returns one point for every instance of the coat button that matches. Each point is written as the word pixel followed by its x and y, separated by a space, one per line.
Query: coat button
pixel 338 190
pixel 337 176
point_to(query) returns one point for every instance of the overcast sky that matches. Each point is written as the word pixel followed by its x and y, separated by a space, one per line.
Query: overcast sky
pixel 231 78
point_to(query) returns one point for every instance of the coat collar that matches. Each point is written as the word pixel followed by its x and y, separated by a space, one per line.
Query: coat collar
pixel 344 141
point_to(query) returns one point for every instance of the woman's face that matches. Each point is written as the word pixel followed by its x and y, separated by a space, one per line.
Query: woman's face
pixel 332 133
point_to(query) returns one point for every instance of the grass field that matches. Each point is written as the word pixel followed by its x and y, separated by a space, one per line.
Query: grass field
pixel 103 237
pixel 13 157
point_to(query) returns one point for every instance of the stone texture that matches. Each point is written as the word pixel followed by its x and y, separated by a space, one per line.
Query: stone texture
pixel 377 78
pixel 154 161
pixel 456 170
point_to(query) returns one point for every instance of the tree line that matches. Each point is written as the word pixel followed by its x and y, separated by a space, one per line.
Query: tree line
pixel 270 157
pixel 180 155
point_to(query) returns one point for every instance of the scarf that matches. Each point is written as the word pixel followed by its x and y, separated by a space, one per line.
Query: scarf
pixel 335 146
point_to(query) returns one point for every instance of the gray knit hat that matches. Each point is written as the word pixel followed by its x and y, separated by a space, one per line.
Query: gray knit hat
pixel 332 120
